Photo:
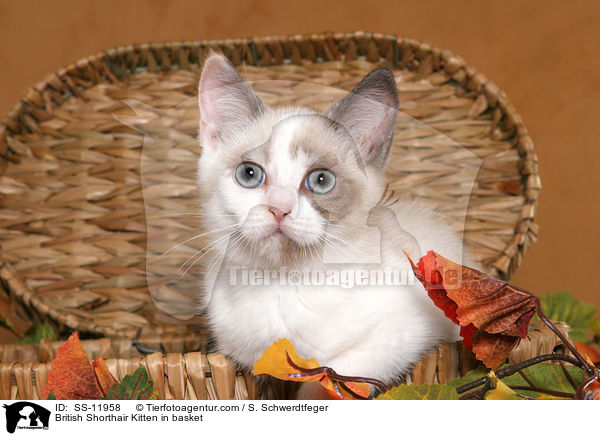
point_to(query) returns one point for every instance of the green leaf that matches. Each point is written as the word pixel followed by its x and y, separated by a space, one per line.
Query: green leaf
pixel 420 392
pixel 549 376
pixel 51 396
pixel 42 331
pixel 562 306
pixel 543 375
pixel 471 376
pixel 501 392
pixel 134 387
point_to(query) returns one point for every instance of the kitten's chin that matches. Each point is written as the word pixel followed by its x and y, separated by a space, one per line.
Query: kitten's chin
pixel 278 235
pixel 278 249
pixel 278 238
pixel 278 241
pixel 285 240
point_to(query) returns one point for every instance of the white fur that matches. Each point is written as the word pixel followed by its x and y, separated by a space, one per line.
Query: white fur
pixel 369 331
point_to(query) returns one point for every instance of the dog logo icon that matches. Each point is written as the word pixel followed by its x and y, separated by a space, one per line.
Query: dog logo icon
pixel 26 415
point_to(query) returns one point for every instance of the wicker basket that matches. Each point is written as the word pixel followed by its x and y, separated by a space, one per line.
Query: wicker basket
pixel 72 219
pixel 179 371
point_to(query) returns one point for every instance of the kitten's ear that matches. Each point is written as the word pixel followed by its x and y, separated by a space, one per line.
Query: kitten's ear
pixel 369 114
pixel 224 98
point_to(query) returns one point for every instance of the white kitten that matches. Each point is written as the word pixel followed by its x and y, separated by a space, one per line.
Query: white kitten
pixel 291 189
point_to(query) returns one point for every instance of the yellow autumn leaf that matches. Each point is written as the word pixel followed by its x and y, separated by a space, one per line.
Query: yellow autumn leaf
pixel 501 391
pixel 282 361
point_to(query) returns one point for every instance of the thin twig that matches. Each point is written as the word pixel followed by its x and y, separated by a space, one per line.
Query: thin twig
pixel 478 394
pixel 568 376
pixel 589 369
pixel 329 372
pixel 543 391
pixel 354 394
pixel 510 370
pixel 527 379
pixel 581 393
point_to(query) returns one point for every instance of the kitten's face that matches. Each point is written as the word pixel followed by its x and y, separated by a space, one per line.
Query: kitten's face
pixel 284 179
pixel 284 183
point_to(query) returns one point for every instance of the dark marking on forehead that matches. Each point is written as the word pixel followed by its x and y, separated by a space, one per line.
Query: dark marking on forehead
pixel 322 150
pixel 258 154
pixel 313 145
pixel 324 144
pixel 327 148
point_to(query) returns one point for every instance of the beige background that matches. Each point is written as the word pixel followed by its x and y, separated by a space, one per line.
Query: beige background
pixel 543 54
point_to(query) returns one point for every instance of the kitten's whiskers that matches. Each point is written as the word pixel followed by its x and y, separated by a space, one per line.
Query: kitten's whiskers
pixel 196 237
pixel 203 251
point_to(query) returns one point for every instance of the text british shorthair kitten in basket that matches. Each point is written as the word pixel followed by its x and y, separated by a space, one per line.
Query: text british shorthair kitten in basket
pixel 296 195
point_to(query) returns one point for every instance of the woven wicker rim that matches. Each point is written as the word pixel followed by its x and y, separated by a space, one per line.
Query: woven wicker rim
pixel 181 372
pixel 115 64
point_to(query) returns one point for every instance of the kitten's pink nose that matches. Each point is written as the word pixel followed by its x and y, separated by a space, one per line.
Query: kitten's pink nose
pixel 278 213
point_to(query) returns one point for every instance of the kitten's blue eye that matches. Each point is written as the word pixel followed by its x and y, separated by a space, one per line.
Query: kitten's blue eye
pixel 320 181
pixel 249 175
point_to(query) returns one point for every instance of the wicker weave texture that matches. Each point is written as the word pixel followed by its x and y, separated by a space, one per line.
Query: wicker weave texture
pixel 180 372
pixel 73 214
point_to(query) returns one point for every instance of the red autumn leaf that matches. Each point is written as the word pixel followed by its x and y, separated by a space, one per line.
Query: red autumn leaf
pixel 494 315
pixel 72 377
pixel 103 375
pixel 280 360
